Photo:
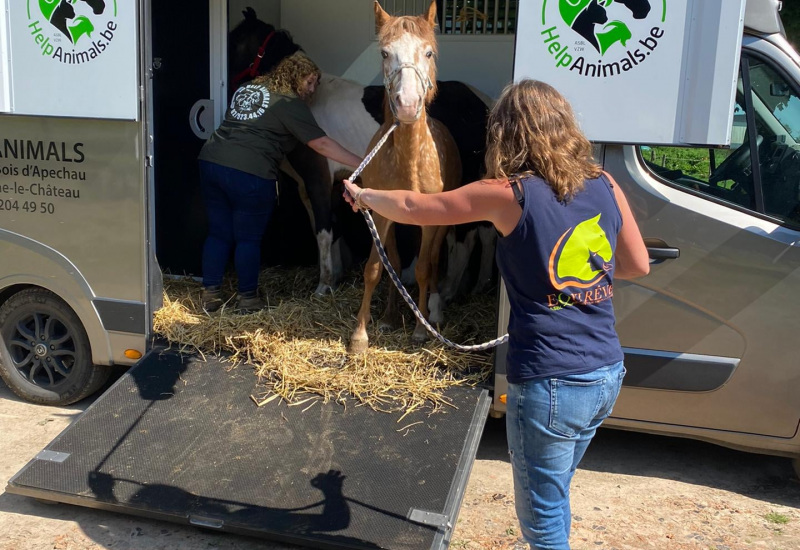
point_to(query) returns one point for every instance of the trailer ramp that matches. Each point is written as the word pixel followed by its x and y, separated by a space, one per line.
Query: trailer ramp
pixel 179 439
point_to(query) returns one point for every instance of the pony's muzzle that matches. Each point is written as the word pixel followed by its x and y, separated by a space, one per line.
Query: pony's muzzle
pixel 407 86
pixel 407 109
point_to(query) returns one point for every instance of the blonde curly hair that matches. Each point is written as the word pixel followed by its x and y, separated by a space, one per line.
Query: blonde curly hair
pixel 288 75
pixel 532 130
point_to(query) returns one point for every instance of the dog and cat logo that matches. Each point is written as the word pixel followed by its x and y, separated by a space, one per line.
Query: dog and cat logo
pixel 580 266
pixel 602 38
pixel 72 32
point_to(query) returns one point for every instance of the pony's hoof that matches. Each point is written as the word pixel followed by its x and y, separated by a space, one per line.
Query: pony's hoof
pixel 420 335
pixel 358 345
pixel 323 290
pixel 389 323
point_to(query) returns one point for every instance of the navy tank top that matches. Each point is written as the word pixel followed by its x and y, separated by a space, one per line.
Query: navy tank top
pixel 558 267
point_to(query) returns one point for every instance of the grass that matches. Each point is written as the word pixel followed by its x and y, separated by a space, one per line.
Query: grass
pixel 691 161
pixel 776 518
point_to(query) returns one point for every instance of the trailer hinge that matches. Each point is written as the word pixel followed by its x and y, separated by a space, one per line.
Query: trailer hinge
pixel 210 523
pixel 429 518
pixel 52 456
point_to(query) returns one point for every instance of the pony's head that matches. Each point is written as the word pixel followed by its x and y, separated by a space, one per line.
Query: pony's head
pixel 245 40
pixel 408 47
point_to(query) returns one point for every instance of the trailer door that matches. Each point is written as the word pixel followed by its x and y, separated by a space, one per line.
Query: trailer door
pixel 182 117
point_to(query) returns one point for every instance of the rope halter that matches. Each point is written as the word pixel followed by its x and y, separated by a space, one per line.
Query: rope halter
pixel 389 82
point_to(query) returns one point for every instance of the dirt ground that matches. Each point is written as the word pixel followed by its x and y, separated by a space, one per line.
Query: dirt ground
pixel 633 491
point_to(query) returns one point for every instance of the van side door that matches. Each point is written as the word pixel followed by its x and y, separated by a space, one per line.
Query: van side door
pixel 711 336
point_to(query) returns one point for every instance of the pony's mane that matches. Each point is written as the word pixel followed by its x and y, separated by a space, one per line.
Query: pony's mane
pixel 417 25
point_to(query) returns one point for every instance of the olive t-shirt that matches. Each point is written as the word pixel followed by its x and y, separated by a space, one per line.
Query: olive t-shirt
pixel 259 129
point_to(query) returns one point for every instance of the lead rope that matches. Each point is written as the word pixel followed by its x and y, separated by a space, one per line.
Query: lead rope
pixel 393 275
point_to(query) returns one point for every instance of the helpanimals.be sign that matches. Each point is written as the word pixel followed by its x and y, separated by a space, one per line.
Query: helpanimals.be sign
pixel 74 58
pixel 637 71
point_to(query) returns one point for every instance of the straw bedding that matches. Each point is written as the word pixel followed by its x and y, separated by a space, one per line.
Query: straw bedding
pixel 298 344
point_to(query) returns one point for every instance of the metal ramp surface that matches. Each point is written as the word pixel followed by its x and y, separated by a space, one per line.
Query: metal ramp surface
pixel 179 439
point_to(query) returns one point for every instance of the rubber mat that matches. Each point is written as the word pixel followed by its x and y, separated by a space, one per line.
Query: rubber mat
pixel 180 439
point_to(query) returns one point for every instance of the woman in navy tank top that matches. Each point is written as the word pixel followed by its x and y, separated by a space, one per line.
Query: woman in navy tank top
pixel 566 233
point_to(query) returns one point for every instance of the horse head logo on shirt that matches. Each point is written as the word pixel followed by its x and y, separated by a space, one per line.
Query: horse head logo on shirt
pixel 582 256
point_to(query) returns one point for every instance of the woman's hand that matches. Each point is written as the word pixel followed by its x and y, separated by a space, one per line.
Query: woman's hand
pixel 352 194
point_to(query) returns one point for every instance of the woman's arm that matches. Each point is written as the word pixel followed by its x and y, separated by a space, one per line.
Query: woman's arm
pixel 631 258
pixel 331 149
pixel 485 200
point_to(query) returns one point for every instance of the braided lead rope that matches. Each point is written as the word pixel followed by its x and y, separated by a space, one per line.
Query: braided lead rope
pixel 393 275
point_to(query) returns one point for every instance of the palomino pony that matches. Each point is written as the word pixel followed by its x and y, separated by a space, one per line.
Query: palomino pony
pixel 351 114
pixel 420 155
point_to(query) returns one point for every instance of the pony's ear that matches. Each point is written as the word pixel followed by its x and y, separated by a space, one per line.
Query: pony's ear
pixel 431 15
pixel 249 14
pixel 381 17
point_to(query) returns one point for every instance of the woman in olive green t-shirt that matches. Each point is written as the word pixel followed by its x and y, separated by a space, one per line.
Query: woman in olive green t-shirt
pixel 239 163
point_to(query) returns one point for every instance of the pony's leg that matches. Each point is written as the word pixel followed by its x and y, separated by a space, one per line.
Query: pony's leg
pixel 372 275
pixel 391 316
pixel 423 272
pixel 312 169
pixel 460 242
pixel 488 237
pixel 435 304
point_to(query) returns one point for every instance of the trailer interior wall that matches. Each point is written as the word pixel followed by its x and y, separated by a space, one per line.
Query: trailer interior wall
pixel 340 37
pixel 5 58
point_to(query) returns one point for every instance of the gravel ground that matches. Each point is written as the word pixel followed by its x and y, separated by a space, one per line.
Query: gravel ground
pixel 633 491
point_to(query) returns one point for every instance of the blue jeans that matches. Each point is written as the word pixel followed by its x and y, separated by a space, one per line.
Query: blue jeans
pixel 239 206
pixel 550 423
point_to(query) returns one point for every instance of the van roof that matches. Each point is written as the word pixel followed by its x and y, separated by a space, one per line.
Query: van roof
pixel 762 16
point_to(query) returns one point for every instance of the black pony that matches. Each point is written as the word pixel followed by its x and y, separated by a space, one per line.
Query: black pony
pixel 244 43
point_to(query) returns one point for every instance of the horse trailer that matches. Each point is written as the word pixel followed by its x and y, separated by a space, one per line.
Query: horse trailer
pixel 104 105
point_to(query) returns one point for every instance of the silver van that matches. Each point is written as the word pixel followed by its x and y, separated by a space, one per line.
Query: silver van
pixel 711 335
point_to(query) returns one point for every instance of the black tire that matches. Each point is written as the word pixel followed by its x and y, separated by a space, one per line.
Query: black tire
pixel 45 356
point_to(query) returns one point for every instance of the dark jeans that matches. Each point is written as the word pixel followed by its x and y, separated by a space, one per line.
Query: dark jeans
pixel 239 206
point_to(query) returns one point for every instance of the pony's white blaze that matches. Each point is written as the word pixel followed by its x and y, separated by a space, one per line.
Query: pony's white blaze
pixel 408 68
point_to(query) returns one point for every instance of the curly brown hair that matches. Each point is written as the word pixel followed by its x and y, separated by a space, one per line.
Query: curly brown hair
pixel 532 130
pixel 288 75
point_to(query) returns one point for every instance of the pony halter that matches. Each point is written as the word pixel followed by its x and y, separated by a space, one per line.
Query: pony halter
pixel 252 70
pixel 389 83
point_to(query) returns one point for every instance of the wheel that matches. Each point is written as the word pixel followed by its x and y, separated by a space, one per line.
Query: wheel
pixel 796 464
pixel 45 356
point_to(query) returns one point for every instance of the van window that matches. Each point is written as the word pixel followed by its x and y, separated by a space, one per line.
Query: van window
pixel 728 175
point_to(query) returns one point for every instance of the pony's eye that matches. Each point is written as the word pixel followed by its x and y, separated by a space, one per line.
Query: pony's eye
pixel 429 54
pixel 384 54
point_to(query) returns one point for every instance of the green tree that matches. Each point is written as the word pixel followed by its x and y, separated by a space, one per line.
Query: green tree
pixel 790 14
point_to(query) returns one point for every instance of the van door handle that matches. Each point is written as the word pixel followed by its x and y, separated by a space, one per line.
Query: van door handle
pixel 201 118
pixel 659 251
pixel 658 255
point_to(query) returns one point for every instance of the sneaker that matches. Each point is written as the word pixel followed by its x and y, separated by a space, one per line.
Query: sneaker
pixel 211 298
pixel 249 302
